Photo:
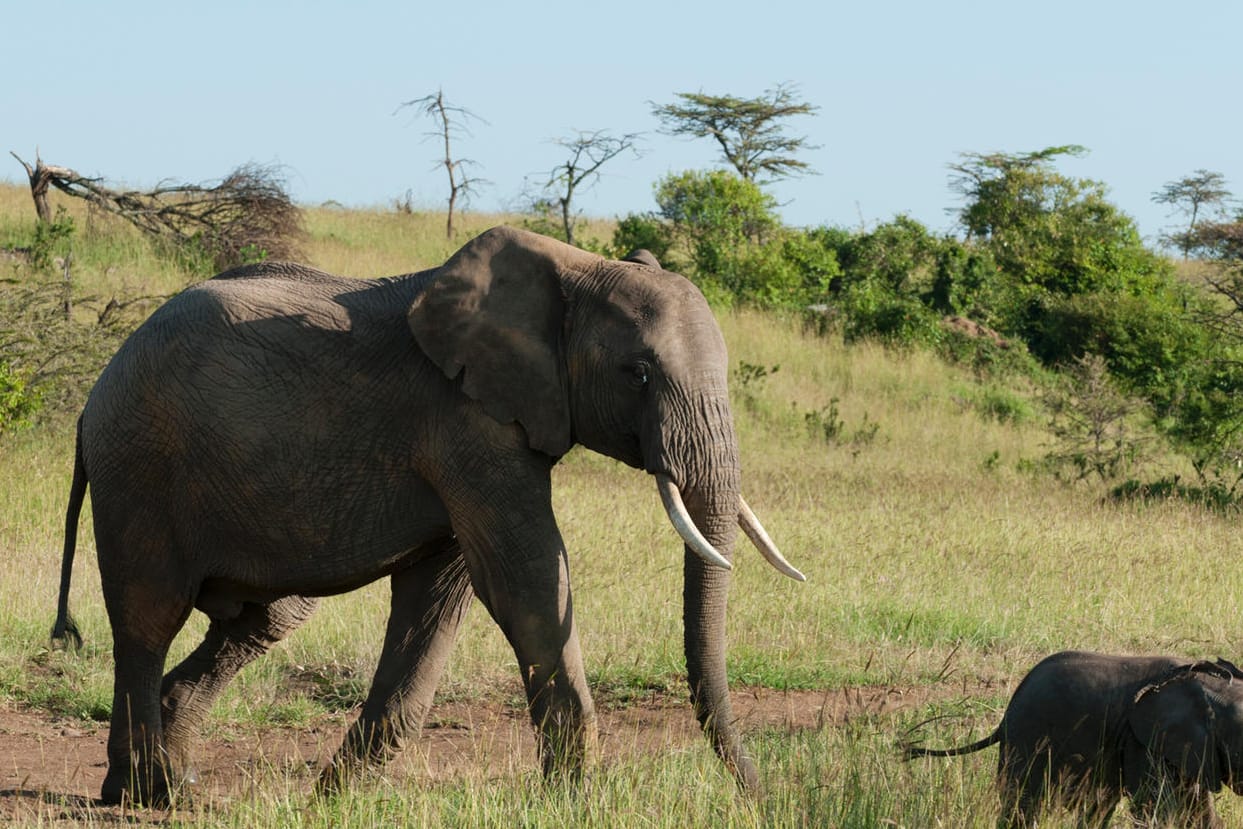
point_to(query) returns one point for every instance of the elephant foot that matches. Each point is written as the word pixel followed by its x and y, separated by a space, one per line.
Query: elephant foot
pixel 340 772
pixel 151 790
pixel 366 749
pixel 569 747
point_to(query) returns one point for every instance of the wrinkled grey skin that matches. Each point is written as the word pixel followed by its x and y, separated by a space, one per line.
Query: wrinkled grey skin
pixel 1087 728
pixel 277 434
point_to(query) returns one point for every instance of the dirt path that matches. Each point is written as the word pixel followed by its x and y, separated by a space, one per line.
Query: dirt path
pixel 51 770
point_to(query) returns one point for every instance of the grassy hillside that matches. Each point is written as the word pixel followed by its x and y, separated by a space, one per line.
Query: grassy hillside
pixel 934 556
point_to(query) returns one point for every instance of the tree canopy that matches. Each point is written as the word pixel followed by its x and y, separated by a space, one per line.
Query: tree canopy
pixel 1195 196
pixel 751 132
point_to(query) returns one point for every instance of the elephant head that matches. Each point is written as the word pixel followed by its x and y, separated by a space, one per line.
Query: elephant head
pixel 1189 722
pixel 626 359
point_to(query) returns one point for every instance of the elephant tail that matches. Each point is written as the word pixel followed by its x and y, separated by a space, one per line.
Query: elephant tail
pixel 65 632
pixel 910 752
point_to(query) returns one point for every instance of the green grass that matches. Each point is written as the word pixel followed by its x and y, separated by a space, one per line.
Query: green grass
pixel 934 556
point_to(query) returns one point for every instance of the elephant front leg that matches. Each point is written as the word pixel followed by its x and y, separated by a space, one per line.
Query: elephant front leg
pixel 500 508
pixel 428 602
pixel 531 601
pixel 561 707
pixel 1165 800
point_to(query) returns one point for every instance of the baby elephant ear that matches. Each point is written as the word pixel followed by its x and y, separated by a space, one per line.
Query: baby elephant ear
pixel 1173 721
pixel 495 313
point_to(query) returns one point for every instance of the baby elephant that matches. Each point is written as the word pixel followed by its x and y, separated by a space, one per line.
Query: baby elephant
pixel 1083 729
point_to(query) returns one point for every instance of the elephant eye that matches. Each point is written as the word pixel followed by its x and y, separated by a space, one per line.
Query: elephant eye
pixel 639 373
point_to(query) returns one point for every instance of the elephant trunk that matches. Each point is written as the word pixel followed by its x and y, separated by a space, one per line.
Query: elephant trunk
pixel 701 463
pixel 705 592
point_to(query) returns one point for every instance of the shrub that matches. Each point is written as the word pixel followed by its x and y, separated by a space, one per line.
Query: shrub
pixel 896 282
pixel 18 402
pixel 1092 423
pixel 1204 416
pixel 899 255
pixel 51 239
pixel 50 358
pixel 1149 341
pixel 996 402
pixel 712 218
pixel 721 232
pixel 873 310
pixel 643 231
pixel 1213 495
pixel 1047 232
pixel 788 271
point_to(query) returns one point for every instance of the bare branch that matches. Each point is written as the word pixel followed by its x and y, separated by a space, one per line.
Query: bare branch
pixel 589 151
pixel 452 120
pixel 41 175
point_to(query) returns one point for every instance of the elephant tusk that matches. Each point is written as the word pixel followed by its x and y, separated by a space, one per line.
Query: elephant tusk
pixel 681 520
pixel 759 537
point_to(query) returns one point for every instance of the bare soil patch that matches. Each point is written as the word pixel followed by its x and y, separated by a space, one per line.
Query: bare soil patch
pixel 51 769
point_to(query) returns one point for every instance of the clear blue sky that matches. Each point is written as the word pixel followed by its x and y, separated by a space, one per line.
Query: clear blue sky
pixel 138 92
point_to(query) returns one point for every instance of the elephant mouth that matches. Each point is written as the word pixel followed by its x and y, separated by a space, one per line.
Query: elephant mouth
pixel 679 517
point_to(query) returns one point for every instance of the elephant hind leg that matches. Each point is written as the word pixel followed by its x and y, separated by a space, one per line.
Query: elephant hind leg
pixel 428 602
pixel 144 623
pixel 188 691
pixel 1022 782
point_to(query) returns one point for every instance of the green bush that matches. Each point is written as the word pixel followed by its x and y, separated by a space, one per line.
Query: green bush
pixel 967 281
pixel 18 402
pixel 873 310
pixel 899 255
pixel 788 271
pixel 1050 233
pixel 713 218
pixel 1213 495
pixel 897 281
pixel 1204 416
pixel 721 232
pixel 643 231
pixel 994 401
pixel 986 356
pixel 51 239
pixel 1149 341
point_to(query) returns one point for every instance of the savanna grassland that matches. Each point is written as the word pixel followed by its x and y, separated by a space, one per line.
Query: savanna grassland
pixel 941 564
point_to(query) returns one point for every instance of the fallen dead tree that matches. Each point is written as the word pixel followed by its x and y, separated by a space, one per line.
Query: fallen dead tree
pixel 245 217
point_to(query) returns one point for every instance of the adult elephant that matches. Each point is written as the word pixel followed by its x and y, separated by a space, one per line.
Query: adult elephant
pixel 277 433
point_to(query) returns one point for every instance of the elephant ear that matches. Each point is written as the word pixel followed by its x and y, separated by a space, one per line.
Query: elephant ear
pixel 1173 722
pixel 495 313
pixel 643 256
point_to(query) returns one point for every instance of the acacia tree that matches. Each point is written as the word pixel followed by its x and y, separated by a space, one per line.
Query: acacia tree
pixel 1221 245
pixel 1204 191
pixel 751 132
pixel 451 121
pixel 588 152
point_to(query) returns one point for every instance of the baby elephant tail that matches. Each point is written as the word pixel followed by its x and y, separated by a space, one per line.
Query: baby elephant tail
pixel 910 752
